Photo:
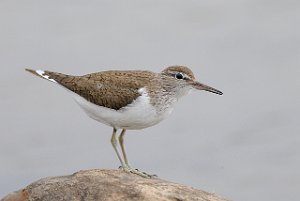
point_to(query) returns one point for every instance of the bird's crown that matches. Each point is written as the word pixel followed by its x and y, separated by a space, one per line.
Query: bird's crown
pixel 179 72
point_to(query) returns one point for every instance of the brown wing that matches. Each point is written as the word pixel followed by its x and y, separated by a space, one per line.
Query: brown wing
pixel 111 89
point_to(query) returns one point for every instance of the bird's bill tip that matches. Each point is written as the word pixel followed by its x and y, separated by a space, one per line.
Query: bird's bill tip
pixel 200 86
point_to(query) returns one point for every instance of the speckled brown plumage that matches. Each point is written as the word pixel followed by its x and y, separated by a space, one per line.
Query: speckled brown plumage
pixel 111 89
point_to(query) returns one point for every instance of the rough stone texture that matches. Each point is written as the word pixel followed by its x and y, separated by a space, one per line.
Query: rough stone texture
pixel 108 185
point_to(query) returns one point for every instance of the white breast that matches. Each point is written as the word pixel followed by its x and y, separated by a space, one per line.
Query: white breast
pixel 137 115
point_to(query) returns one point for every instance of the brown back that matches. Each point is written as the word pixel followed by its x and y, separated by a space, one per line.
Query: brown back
pixel 111 89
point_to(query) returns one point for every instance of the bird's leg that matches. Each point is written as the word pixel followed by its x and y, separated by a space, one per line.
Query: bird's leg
pixel 127 166
pixel 114 143
pixel 121 141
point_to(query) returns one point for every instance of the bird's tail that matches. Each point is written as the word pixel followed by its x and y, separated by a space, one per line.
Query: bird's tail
pixel 43 74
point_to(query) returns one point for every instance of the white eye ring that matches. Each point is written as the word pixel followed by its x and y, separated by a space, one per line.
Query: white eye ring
pixel 179 76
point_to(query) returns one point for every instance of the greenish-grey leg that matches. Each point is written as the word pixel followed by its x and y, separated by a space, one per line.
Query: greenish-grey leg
pixel 121 141
pixel 127 166
pixel 114 143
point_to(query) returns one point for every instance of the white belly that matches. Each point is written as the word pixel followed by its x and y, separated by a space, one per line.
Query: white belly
pixel 138 115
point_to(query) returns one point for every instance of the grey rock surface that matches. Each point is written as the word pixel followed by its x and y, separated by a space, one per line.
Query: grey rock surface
pixel 108 185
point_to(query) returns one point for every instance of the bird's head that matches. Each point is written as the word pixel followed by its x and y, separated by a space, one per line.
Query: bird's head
pixel 184 78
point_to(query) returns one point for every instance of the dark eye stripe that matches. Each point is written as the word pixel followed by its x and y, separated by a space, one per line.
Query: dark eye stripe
pixel 185 77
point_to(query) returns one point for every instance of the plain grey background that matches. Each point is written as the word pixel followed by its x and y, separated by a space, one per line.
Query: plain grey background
pixel 243 145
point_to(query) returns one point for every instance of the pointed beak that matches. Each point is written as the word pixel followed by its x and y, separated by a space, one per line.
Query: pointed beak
pixel 200 86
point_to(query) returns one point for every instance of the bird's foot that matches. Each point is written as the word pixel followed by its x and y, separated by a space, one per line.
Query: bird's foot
pixel 137 172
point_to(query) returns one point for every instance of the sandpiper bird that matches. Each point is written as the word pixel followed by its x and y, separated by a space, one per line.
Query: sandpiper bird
pixel 128 100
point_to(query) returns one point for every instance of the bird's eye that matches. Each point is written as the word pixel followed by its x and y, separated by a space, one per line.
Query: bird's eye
pixel 179 76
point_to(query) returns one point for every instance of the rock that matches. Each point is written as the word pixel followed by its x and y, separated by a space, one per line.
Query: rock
pixel 108 185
